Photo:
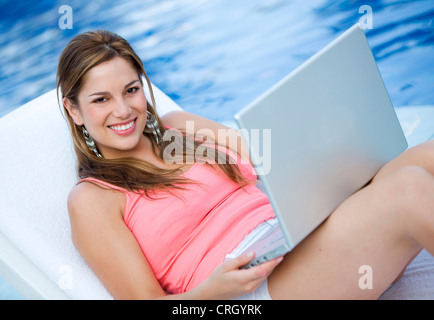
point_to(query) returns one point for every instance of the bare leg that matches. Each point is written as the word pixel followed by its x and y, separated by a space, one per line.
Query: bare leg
pixel 382 226
pixel 421 155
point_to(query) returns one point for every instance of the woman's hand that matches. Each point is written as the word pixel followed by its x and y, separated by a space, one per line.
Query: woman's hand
pixel 228 281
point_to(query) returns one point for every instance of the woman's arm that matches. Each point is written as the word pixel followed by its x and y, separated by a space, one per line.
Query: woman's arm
pixel 107 245
pixel 223 135
pixel 110 249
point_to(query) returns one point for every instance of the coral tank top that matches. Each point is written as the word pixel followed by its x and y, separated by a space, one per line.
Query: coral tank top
pixel 185 237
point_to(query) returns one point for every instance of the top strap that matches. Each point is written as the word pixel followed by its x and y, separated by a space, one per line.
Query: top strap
pixel 109 185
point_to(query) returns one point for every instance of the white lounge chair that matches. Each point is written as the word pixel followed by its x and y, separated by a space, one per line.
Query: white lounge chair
pixel 37 171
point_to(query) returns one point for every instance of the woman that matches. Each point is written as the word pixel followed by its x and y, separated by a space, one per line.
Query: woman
pixel 152 228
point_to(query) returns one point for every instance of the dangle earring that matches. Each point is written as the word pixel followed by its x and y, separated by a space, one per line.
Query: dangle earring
pixel 90 143
pixel 152 125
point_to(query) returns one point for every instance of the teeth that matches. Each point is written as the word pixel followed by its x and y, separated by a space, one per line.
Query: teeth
pixel 122 127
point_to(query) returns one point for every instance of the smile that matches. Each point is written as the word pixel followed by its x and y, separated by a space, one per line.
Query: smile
pixel 123 129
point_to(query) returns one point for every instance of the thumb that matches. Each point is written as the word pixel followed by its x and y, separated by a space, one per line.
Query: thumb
pixel 239 261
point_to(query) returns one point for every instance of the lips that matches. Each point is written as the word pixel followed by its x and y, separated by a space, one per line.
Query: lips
pixel 124 128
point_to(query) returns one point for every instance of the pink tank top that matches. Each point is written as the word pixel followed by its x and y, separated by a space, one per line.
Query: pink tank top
pixel 185 238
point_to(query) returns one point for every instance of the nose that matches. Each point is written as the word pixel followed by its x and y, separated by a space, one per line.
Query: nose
pixel 122 109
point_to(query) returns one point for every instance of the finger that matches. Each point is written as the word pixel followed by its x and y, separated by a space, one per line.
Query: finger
pixel 239 261
pixel 266 268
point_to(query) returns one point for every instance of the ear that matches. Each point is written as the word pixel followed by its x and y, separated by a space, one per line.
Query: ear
pixel 73 111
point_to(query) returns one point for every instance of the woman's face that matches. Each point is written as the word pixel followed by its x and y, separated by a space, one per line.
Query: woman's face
pixel 112 106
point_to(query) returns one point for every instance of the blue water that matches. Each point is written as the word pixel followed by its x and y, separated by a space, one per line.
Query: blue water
pixel 215 56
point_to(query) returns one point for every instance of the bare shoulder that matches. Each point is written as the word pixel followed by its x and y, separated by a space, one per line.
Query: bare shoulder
pixel 90 199
pixel 107 245
pixel 172 118
pixel 95 212
pixel 178 119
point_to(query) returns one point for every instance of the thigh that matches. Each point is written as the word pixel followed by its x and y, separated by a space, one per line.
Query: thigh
pixel 421 155
pixel 361 241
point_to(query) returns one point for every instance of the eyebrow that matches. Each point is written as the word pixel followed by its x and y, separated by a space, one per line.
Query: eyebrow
pixel 106 92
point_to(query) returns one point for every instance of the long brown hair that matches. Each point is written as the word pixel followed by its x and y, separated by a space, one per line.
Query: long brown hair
pixel 86 51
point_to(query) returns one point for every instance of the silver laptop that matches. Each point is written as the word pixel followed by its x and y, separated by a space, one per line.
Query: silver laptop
pixel 332 128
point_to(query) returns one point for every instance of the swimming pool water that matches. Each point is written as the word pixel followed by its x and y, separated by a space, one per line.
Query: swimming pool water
pixel 215 56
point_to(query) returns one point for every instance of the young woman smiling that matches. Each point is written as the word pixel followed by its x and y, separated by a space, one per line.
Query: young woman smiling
pixel 151 229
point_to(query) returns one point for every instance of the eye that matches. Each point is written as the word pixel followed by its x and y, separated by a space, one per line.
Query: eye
pixel 100 100
pixel 132 90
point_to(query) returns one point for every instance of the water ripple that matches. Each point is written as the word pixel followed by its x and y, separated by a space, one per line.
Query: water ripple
pixel 213 57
